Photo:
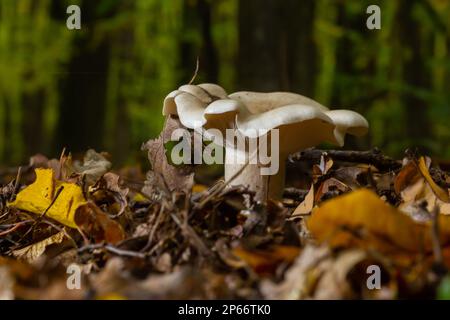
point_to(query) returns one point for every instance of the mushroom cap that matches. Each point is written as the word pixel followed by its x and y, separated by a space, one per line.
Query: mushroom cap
pixel 258 102
pixel 169 106
pixel 299 126
pixel 347 121
pixel 301 121
pixel 214 90
pixel 205 92
pixel 190 110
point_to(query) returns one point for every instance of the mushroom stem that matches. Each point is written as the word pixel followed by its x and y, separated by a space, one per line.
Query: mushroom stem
pixel 264 186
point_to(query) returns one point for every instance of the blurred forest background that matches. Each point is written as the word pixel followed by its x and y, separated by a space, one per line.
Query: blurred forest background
pixel 103 86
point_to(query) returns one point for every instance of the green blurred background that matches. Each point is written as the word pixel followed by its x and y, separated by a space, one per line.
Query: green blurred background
pixel 103 86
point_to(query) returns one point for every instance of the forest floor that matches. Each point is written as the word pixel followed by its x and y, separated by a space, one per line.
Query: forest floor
pixel 353 224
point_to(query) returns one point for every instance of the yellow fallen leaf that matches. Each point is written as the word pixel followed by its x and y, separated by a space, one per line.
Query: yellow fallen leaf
pixel 38 197
pixel 361 218
pixel 441 193
pixel 35 250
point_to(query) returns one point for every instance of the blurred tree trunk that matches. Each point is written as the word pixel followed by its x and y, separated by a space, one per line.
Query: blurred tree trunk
pixel 33 124
pixel 276 47
pixel 197 20
pixel 415 75
pixel 82 104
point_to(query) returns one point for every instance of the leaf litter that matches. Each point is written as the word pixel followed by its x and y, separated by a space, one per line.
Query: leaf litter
pixel 176 238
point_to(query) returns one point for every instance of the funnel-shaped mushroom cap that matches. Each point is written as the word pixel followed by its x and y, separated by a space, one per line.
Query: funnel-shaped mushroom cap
pixel 299 126
pixel 302 122
pixel 258 102
pixel 347 121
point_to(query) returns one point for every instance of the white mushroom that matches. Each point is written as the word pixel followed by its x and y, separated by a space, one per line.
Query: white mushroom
pixel 300 122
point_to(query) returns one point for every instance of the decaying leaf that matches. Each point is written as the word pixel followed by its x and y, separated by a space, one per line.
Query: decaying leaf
pixel 361 218
pixel 58 200
pixel 109 182
pixel 97 224
pixel 94 166
pixel 407 176
pixel 32 252
pixel 180 178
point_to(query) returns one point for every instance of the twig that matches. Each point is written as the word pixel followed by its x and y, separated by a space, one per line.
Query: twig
pixel 16 226
pixel 113 249
pixel 192 236
pixel 17 182
pixel 58 192
pixel 373 157
pixel 197 67
pixel 153 230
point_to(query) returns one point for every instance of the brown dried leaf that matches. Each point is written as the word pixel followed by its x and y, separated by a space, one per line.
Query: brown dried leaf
pixel 94 166
pixel 407 176
pixel 180 178
pixel 307 204
pixel 97 224
pixel 35 250
pixel 110 182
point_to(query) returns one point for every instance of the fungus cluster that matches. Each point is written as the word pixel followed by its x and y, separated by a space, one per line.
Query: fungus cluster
pixel 300 122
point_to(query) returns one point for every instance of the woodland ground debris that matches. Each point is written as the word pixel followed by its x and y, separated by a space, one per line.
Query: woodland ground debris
pixel 163 235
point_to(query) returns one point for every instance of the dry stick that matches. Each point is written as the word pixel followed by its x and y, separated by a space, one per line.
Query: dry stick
pixel 197 67
pixel 153 230
pixel 58 192
pixel 374 157
pixel 113 249
pixel 193 236
pixel 16 183
pixel 16 226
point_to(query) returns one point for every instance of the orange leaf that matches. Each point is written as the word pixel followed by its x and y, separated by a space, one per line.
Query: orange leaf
pixel 361 218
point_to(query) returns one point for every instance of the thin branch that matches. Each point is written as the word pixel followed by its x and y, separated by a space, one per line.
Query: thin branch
pixel 197 67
